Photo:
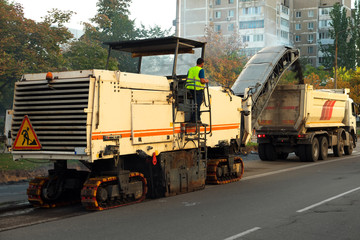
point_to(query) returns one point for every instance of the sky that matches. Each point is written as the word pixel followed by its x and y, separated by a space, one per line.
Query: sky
pixel 143 11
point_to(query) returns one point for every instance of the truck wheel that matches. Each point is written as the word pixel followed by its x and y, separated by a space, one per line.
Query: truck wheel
pixel 324 145
pixel 349 149
pixel 339 148
pixel 312 150
pixel 262 151
pixel 270 152
pixel 302 153
pixel 282 155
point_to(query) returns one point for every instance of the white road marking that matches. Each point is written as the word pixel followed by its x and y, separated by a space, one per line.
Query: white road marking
pixel 243 233
pixel 327 200
pixel 295 168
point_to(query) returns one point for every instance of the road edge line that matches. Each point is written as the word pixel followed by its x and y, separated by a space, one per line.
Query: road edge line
pixel 243 233
pixel 327 200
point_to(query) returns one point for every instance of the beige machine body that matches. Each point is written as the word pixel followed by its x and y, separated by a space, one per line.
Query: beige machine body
pixel 123 111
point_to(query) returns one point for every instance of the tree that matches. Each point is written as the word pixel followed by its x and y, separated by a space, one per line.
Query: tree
pixel 356 31
pixel 27 46
pixel 86 54
pixel 223 60
pixel 112 23
pixel 152 32
pixel 344 45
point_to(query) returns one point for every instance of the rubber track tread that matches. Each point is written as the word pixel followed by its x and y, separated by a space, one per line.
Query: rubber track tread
pixel 211 177
pixel 89 191
pixel 35 197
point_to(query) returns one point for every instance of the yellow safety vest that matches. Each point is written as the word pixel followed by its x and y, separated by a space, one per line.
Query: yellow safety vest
pixel 193 79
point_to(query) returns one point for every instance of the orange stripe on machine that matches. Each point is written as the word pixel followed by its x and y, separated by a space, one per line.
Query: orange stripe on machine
pixel 158 132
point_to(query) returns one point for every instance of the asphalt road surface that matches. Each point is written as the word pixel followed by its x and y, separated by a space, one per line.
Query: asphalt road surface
pixel 275 200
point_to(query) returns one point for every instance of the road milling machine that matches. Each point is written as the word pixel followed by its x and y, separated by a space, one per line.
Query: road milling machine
pixel 131 130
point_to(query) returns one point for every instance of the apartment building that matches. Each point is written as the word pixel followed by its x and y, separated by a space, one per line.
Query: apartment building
pixel 300 23
pixel 310 26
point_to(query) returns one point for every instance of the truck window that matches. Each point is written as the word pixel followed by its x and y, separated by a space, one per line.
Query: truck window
pixel 354 109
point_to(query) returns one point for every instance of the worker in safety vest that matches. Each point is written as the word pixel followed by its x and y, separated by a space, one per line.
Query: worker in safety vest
pixel 195 83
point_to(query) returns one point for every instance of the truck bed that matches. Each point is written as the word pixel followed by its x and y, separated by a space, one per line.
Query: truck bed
pixel 296 108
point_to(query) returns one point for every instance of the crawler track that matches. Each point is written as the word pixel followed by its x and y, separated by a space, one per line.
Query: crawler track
pixel 213 176
pixel 36 197
pixel 89 192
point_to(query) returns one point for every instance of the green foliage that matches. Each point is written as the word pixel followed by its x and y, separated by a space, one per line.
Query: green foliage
pixel 355 27
pixel 112 24
pixel 58 17
pixel 28 47
pixel 7 163
pixel 153 32
pixel 84 54
pixel 344 34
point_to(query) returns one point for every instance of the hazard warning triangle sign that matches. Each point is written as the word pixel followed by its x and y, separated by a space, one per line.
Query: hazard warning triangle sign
pixel 26 138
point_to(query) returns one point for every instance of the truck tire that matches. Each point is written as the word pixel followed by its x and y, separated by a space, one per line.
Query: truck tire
pixel 349 149
pixel 313 150
pixel 339 147
pixel 270 152
pixel 262 151
pixel 302 153
pixel 324 146
pixel 282 155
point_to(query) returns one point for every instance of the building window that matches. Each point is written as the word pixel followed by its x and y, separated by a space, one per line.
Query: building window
pixel 217 28
pixel 284 34
pixel 324 35
pixel 325 11
pixel 298 14
pixel 297 38
pixel 311 25
pixel 217 2
pixel 246 38
pixel 258 38
pixel 217 14
pixel 310 49
pixel 311 13
pixel 310 38
pixel 252 11
pixel 324 23
pixel 251 24
pixel 298 26
pixel 284 22
pixel 231 13
pixel 284 9
pixel 231 1
pixel 231 27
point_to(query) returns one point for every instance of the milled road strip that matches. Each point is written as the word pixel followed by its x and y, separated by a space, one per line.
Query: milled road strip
pixel 296 168
pixel 327 200
pixel 243 233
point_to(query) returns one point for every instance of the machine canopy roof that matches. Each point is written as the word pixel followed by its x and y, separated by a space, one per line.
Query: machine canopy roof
pixel 156 46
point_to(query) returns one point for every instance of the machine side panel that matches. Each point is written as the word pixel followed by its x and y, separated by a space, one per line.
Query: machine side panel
pixel 226 116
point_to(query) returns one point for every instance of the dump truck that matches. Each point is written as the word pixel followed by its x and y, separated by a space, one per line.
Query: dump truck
pixel 306 121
